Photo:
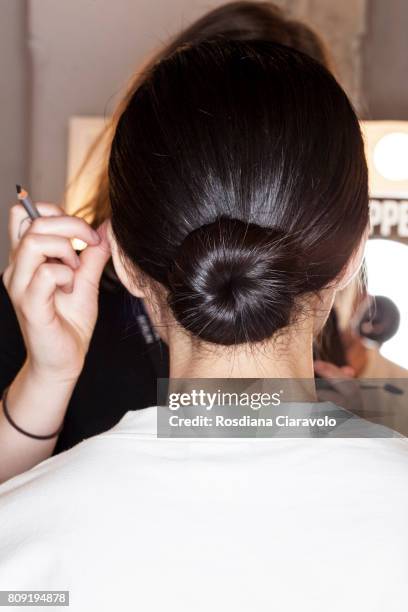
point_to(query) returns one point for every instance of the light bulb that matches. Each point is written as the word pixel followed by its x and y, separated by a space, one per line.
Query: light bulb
pixel 391 156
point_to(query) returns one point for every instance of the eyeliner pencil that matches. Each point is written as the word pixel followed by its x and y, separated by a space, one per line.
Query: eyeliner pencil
pixel 26 201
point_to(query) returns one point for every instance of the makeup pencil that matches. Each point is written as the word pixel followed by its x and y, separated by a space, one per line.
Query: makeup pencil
pixel 34 213
pixel 26 201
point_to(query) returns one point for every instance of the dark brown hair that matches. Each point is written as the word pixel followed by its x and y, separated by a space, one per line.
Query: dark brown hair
pixel 238 182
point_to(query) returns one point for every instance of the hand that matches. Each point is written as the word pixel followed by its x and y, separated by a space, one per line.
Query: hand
pixel 344 389
pixel 54 291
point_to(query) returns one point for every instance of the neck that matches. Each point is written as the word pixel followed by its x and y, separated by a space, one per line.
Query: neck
pixel 288 356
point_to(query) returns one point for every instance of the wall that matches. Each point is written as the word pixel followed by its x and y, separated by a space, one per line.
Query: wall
pixel 342 24
pixel 385 60
pixel 13 118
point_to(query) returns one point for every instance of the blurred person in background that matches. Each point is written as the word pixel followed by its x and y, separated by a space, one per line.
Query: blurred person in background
pixel 376 322
pixel 362 324
pixel 362 379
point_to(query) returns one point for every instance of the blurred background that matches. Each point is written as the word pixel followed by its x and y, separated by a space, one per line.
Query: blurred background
pixel 73 58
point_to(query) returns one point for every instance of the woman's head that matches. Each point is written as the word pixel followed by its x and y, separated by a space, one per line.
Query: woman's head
pixel 247 21
pixel 234 21
pixel 238 187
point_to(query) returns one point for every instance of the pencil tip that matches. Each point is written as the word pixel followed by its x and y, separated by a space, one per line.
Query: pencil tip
pixel 18 187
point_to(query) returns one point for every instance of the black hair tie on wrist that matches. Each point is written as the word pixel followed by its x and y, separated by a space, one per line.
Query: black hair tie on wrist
pixel 19 429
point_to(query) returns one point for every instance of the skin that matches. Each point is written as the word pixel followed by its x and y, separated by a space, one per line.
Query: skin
pixel 55 297
pixel 56 306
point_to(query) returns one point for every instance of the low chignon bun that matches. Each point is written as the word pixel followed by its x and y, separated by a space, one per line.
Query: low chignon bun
pixel 234 282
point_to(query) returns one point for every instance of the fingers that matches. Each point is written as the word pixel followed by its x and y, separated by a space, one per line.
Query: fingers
pixel 38 304
pixel 46 237
pixel 94 259
pixel 44 260
pixel 33 251
pixel 19 221
pixel 66 226
pixel 53 224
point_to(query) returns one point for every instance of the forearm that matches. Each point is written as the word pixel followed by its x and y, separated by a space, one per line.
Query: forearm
pixel 38 406
pixel 54 293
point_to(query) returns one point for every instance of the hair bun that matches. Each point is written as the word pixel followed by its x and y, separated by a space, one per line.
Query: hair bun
pixel 234 282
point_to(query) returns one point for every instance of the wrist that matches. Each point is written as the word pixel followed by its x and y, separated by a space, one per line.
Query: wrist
pixel 21 430
pixel 37 402
pixel 49 377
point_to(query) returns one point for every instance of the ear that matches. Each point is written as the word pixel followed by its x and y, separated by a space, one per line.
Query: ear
pixel 122 269
pixel 354 264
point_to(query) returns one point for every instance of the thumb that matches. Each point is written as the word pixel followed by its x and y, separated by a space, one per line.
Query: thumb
pixel 93 259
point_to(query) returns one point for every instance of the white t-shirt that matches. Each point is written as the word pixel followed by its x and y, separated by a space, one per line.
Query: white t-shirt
pixel 126 521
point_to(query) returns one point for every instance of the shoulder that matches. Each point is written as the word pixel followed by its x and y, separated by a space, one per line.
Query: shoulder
pixel 94 459
pixel 132 446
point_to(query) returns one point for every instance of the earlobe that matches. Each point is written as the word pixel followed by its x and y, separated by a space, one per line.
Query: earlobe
pixel 126 278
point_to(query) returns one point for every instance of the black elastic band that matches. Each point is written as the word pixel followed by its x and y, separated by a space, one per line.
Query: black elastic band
pixel 22 431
